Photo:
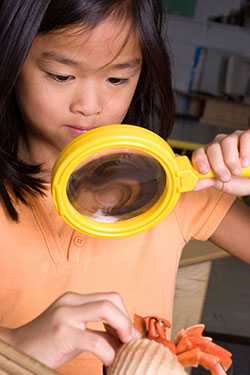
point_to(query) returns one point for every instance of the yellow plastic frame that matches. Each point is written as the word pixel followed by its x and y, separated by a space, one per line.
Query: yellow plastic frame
pixel 180 177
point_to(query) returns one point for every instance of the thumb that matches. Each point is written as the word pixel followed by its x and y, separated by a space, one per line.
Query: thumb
pixel 204 184
pixel 239 186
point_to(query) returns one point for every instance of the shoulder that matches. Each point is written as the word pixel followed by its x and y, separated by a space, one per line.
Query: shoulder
pixel 8 226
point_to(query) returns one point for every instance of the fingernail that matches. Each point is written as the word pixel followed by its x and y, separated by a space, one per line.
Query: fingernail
pixel 245 162
pixel 236 172
pixel 204 168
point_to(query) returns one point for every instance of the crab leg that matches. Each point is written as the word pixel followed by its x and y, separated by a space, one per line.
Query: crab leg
pixel 206 346
pixel 195 330
pixel 195 357
pixel 190 347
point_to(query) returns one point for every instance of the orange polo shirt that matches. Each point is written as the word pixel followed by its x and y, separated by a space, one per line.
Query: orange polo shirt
pixel 38 265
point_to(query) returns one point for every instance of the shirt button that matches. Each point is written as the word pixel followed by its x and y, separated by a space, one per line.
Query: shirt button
pixel 78 241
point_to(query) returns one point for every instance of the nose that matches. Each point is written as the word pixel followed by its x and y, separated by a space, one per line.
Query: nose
pixel 87 100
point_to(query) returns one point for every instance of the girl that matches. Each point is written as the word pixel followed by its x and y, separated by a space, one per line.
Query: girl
pixel 67 67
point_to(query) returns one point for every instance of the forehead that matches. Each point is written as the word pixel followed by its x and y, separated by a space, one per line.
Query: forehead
pixel 107 42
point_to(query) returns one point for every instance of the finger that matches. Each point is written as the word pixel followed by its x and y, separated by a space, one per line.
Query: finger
pixel 239 186
pixel 112 332
pixel 204 184
pixel 200 161
pixel 244 148
pixel 217 163
pixel 76 299
pixel 219 137
pixel 76 342
pixel 230 151
pixel 101 310
pixel 98 343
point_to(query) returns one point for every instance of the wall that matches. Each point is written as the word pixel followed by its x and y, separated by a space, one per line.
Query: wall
pixel 205 8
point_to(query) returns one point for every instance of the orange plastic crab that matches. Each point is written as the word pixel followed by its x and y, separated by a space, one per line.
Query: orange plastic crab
pixel 191 348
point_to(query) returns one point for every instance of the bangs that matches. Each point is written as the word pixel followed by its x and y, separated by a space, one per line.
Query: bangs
pixel 79 17
pixel 86 14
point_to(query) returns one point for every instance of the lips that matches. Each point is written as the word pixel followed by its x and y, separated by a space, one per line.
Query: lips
pixel 79 128
pixel 76 129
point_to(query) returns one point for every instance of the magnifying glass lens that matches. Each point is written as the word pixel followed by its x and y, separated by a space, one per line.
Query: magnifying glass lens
pixel 116 186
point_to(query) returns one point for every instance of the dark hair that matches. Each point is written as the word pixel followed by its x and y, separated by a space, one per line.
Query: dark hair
pixel 21 21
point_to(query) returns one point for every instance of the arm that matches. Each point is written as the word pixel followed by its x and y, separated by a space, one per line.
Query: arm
pixel 233 234
pixel 226 155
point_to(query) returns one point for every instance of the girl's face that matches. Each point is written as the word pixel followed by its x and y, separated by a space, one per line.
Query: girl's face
pixel 73 81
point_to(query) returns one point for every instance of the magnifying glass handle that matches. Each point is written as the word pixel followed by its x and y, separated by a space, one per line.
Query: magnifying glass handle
pixel 189 176
pixel 245 172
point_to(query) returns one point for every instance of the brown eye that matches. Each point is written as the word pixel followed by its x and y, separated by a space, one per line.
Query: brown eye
pixel 117 81
pixel 61 78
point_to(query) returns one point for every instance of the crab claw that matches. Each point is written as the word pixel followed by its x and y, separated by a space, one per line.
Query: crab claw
pixel 154 328
pixel 140 325
pixel 157 327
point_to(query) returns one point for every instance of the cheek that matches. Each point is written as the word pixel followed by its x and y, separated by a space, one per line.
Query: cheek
pixel 120 104
pixel 116 110
pixel 38 101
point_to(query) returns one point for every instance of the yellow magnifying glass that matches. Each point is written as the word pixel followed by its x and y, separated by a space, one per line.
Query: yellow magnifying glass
pixel 118 180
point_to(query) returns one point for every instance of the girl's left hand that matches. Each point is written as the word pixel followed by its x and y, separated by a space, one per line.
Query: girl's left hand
pixel 226 156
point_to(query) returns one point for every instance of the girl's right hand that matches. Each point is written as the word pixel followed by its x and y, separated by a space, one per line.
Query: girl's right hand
pixel 60 333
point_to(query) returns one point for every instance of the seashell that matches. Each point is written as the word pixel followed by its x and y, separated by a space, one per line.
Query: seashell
pixel 145 357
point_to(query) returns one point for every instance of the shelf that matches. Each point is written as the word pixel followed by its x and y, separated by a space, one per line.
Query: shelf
pixel 187 130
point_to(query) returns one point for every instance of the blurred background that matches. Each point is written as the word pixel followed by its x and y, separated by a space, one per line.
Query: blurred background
pixel 210 50
pixel 209 43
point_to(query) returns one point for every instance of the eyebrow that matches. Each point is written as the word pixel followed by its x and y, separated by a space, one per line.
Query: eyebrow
pixel 134 63
pixel 54 56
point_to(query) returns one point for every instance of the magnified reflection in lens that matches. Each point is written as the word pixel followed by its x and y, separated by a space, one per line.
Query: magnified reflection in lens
pixel 116 186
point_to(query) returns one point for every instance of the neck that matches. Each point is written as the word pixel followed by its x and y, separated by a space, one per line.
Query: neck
pixel 33 151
